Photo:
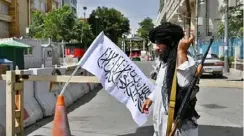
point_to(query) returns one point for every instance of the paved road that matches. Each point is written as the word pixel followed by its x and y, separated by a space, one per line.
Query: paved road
pixel 98 113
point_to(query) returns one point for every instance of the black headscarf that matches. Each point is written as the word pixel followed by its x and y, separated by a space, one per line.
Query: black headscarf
pixel 170 35
pixel 166 33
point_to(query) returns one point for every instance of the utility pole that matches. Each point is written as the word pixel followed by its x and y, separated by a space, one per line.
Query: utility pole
pixel 83 24
pixel 188 8
pixel 96 17
pixel 196 30
pixel 226 39
pixel 64 62
pixel 84 8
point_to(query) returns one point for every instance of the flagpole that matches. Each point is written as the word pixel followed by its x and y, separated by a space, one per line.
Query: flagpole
pixel 81 62
pixel 66 84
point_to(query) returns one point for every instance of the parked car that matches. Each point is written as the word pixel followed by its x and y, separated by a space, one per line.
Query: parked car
pixel 212 65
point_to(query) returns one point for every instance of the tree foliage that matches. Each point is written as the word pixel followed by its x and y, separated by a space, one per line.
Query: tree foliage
pixel 82 32
pixel 37 24
pixel 60 24
pixel 235 22
pixel 146 25
pixel 109 20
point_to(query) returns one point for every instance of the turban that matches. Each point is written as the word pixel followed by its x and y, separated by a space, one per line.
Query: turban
pixel 166 33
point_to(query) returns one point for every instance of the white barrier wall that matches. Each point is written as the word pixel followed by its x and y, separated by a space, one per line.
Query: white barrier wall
pixel 45 98
pixel 33 111
pixel 2 106
pixel 40 96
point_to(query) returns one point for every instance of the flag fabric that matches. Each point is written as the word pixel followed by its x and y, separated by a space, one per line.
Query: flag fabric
pixel 119 76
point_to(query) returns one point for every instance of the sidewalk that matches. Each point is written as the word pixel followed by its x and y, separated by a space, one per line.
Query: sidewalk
pixel 235 74
pixel 224 83
pixel 233 79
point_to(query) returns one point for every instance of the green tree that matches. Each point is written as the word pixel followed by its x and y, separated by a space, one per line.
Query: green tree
pixel 146 25
pixel 60 24
pixel 82 32
pixel 37 24
pixel 235 22
pixel 109 20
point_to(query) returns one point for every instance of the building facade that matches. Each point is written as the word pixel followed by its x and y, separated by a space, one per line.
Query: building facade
pixel 8 18
pixel 72 4
pixel 15 15
pixel 209 14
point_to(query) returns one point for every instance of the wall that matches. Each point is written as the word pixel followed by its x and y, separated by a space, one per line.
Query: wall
pixel 235 47
pixel 33 59
pixel 40 96
pixel 23 13
pixel 14 24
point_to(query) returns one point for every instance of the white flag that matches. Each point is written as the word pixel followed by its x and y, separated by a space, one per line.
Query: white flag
pixel 119 76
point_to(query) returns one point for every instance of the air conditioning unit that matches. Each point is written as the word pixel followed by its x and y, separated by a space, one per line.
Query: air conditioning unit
pixel 210 33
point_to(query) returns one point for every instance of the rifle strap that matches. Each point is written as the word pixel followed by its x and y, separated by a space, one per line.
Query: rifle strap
pixel 172 102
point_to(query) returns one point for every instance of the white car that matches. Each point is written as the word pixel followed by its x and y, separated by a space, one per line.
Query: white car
pixel 212 65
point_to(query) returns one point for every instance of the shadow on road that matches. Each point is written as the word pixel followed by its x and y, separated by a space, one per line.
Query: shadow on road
pixel 142 131
pixel 83 100
pixel 204 130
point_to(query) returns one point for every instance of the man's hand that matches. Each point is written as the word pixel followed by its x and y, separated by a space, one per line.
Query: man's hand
pixel 183 46
pixel 185 43
pixel 146 105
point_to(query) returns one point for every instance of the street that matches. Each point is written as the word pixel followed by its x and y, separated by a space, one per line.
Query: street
pixel 99 114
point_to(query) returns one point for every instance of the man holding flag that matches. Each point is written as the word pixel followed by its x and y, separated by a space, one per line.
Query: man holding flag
pixel 173 47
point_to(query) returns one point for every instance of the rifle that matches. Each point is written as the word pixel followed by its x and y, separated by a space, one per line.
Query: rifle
pixel 186 100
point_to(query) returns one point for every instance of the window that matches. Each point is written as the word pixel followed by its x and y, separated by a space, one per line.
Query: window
pixel 74 10
pixel 4 26
pixel 75 2
pixel 37 4
pixel 3 8
pixel 28 51
pixel 49 53
pixel 43 7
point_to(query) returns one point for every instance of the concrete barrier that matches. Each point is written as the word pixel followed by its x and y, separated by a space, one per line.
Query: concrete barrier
pixel 2 130
pixel 90 85
pixel 86 87
pixel 40 96
pixel 33 111
pixel 2 106
pixel 45 98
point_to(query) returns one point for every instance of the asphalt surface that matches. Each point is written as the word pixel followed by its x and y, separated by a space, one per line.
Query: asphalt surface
pixel 99 114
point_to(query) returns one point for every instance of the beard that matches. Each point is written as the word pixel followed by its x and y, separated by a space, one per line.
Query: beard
pixel 164 55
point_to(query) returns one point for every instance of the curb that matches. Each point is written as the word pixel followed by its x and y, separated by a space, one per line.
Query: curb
pixel 221 84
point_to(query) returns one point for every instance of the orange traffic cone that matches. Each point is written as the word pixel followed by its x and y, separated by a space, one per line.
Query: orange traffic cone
pixel 60 122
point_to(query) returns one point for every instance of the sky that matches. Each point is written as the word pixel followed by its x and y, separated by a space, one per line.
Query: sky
pixel 134 10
